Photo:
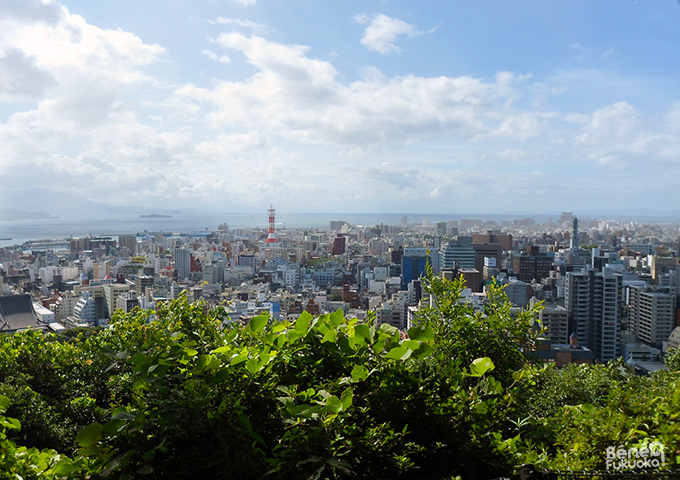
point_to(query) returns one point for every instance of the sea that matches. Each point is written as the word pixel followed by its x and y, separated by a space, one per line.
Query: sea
pixel 16 232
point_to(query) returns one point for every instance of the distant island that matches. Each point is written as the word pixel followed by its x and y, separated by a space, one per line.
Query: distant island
pixel 11 215
pixel 155 215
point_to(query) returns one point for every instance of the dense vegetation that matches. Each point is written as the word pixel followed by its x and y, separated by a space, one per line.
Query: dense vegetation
pixel 173 394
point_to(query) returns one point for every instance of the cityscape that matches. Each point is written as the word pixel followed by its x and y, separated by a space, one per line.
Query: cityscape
pixel 317 240
pixel 609 288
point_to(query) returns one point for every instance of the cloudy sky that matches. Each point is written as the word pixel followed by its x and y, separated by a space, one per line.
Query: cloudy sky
pixel 343 106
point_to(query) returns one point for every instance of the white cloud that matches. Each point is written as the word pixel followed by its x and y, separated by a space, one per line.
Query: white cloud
pixel 383 31
pixel 619 135
pixel 97 124
pixel 303 99
pixel 255 27
pixel 213 56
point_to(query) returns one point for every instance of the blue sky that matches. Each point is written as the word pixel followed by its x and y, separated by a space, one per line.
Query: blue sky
pixel 319 106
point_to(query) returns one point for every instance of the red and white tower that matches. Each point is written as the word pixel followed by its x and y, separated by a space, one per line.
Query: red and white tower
pixel 271 238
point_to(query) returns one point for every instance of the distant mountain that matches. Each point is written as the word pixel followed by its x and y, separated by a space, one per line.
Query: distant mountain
pixel 57 203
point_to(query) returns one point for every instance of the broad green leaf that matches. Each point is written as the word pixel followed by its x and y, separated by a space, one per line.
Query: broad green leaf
pixel 221 375
pixel 277 327
pixel 347 396
pixel 302 323
pixel 12 423
pixel 63 467
pixel 388 329
pixel 89 435
pixel 362 334
pixel 359 373
pixel 411 344
pixel 480 366
pixel 399 353
pixel 253 365
pixel 258 323
pixel 4 403
pixel 122 415
pixel 203 361
pixel 190 352
pixel 422 333
pixel 294 335
pixel 236 359
pixel 337 318
pixel 231 336
pixel 424 351
pixel 330 336
pixel 333 403
pixel 214 363
pixel 225 349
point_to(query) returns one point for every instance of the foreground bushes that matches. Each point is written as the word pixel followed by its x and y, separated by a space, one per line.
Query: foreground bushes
pixel 172 394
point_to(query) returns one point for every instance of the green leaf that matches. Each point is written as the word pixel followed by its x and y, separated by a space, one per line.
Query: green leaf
pixel 64 467
pixel 422 333
pixel 334 404
pixel 362 334
pixel 331 336
pixel 236 359
pixel 424 351
pixel 294 335
pixel 388 329
pixel 253 365
pixel 411 344
pixel 302 323
pixel 337 318
pixel 231 336
pixel 89 435
pixel 279 326
pixel 359 373
pixel 347 396
pixel 399 353
pixel 122 415
pixel 480 366
pixel 225 349
pixel 12 423
pixel 4 403
pixel 258 323
pixel 203 361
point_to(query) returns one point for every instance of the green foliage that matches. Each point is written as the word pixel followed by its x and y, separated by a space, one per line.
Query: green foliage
pixel 464 335
pixel 176 393
pixel 31 463
pixel 633 414
pixel 672 359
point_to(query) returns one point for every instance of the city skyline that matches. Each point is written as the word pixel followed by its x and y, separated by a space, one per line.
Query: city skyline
pixel 360 107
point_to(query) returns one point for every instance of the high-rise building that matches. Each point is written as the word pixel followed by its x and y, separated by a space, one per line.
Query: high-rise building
pixel 494 237
pixel 182 263
pixel 84 309
pixel 143 281
pixel 594 301
pixel 555 320
pixel 651 314
pixel 129 242
pixel 662 265
pixel 338 245
pixel 458 254
pixel 531 267
pixel 111 293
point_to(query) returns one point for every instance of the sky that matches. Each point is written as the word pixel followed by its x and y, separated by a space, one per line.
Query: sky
pixel 352 106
